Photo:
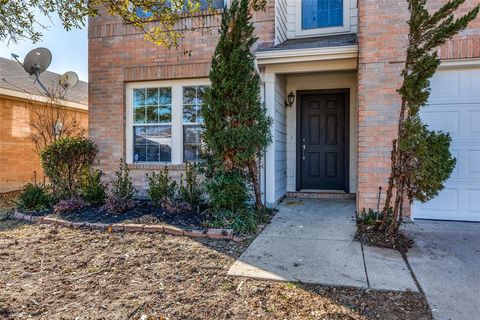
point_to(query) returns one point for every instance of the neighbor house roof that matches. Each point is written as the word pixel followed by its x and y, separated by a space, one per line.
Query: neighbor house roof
pixel 14 78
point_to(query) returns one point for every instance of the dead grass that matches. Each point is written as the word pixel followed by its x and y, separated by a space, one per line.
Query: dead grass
pixel 6 207
pixel 59 273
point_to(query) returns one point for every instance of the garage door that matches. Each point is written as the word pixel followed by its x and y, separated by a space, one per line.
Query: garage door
pixel 454 107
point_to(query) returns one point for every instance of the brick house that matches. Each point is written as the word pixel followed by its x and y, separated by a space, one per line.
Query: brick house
pixel 19 96
pixel 339 61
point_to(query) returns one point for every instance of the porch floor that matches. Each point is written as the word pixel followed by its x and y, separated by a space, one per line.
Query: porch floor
pixel 311 241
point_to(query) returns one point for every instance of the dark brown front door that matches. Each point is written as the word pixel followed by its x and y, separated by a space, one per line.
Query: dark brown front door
pixel 323 140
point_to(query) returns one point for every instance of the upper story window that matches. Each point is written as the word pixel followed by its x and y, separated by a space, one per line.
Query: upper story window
pixel 316 17
pixel 322 14
pixel 204 5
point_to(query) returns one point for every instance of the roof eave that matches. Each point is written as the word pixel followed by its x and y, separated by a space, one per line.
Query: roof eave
pixel 41 99
pixel 302 55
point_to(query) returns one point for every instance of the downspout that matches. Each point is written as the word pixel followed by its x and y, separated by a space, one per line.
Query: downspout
pixel 264 158
pixel 264 172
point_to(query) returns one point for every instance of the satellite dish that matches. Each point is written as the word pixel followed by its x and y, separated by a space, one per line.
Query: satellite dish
pixel 68 80
pixel 37 61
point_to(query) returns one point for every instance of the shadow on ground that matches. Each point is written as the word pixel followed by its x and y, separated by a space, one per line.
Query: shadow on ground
pixel 49 272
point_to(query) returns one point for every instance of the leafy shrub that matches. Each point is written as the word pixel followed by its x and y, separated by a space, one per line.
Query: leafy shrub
pixel 228 191
pixel 176 207
pixel 191 190
pixel 122 186
pixel 244 221
pixel 64 161
pixel 34 197
pixel 370 217
pixel 160 186
pixel 69 205
pixel 114 205
pixel 367 217
pixel 92 189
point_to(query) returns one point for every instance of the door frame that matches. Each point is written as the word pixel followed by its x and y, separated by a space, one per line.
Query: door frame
pixel 298 143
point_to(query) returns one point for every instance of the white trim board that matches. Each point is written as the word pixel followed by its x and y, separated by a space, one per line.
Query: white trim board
pixel 459 63
pixel 305 55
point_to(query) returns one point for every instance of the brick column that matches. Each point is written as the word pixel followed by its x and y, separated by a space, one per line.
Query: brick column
pixel 382 37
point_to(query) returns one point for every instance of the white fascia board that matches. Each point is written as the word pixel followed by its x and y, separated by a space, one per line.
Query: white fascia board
pixel 39 98
pixel 459 63
pixel 301 55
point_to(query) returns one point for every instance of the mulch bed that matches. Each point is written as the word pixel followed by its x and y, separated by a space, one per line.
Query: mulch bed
pixel 144 213
pixel 48 272
pixel 371 236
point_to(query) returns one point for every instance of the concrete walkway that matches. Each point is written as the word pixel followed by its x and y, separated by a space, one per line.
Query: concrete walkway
pixel 312 241
pixel 446 262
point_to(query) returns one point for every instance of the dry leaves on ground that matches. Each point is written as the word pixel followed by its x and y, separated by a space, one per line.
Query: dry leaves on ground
pixel 59 273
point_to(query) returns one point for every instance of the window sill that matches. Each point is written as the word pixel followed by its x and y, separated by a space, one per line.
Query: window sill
pixel 321 32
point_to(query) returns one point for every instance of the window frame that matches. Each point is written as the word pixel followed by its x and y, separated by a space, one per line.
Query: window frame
pixel 177 116
pixel 191 124
pixel 147 124
pixel 299 32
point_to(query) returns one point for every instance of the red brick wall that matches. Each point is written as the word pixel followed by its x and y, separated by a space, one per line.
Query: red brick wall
pixel 382 41
pixel 118 53
pixel 19 164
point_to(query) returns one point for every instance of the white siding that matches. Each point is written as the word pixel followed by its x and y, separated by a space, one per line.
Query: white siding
pixel 280 138
pixel 293 14
pixel 280 21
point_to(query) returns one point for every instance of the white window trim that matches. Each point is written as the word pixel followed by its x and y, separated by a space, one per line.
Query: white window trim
pixel 299 32
pixel 177 115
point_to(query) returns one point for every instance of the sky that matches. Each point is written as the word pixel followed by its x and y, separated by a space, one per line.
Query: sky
pixel 69 48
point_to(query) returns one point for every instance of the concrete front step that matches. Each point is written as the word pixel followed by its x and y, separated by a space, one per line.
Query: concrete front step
pixel 320 195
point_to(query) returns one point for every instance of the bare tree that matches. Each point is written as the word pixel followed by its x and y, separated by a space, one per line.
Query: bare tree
pixel 52 120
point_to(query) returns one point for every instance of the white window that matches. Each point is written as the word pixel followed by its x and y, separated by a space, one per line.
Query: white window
pixel 322 17
pixel 164 121
pixel 152 125
pixel 192 120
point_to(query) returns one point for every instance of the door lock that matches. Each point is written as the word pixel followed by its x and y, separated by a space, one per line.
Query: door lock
pixel 304 147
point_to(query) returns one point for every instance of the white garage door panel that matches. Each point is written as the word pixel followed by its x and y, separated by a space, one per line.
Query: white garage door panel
pixel 454 107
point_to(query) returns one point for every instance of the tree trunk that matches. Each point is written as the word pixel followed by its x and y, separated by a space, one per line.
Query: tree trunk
pixel 252 169
pixel 391 181
pixel 388 223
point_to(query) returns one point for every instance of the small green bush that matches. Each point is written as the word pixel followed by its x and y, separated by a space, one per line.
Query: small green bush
pixel 244 221
pixel 34 197
pixel 160 186
pixel 370 216
pixel 228 191
pixel 92 189
pixel 63 162
pixel 191 190
pixel 122 186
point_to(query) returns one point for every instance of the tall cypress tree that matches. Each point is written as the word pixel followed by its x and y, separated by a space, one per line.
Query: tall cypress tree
pixel 237 128
pixel 421 160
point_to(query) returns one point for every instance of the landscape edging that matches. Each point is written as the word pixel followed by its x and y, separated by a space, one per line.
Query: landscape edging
pixel 211 233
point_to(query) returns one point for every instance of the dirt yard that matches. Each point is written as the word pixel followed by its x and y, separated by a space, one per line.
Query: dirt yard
pixel 49 272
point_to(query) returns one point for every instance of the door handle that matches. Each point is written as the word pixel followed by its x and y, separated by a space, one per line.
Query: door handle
pixel 303 151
